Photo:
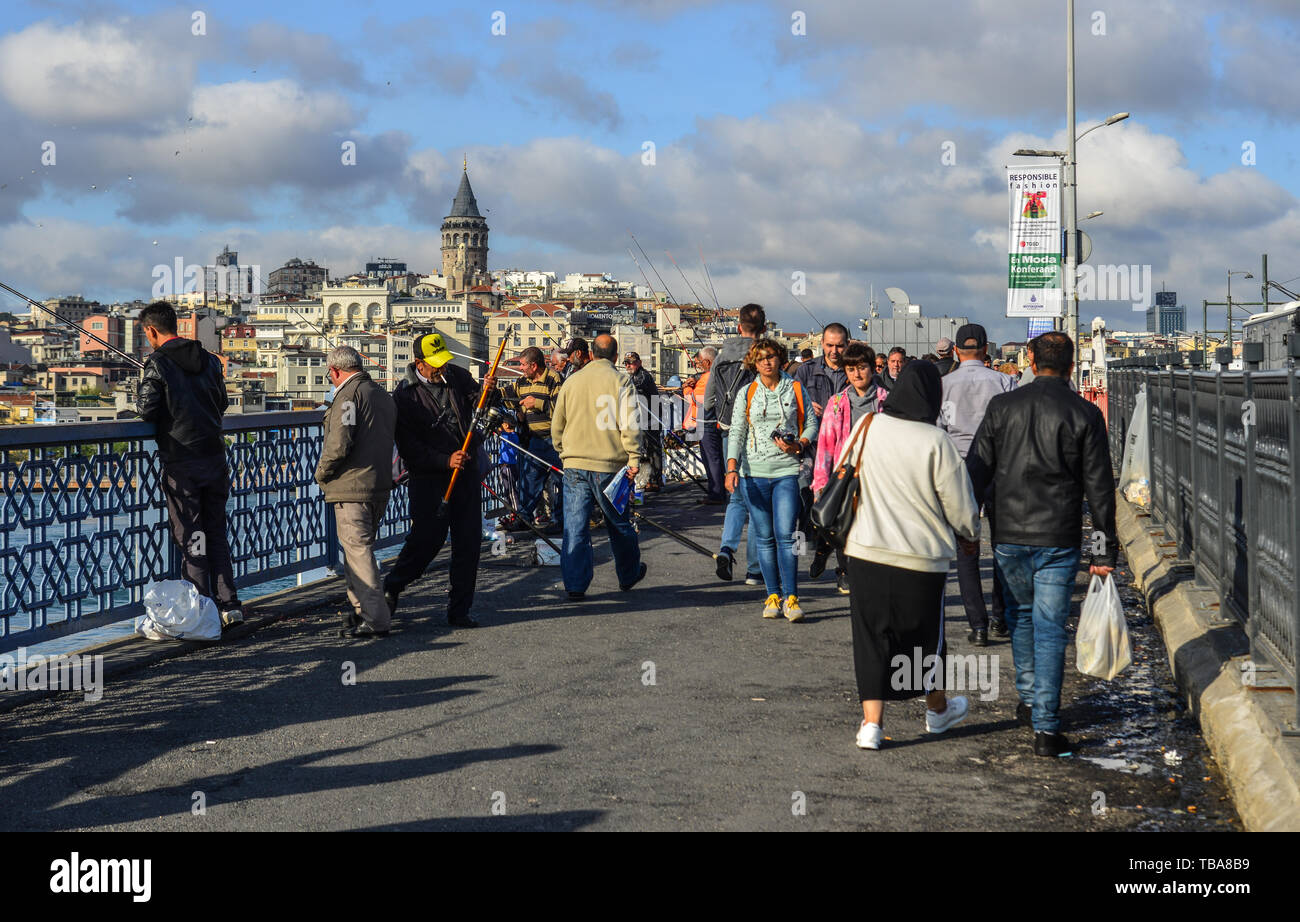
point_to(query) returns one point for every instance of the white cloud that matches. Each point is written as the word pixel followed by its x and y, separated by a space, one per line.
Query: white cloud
pixel 92 73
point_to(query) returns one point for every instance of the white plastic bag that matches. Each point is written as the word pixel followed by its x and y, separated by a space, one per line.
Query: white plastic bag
pixel 174 610
pixel 1135 471
pixel 1101 643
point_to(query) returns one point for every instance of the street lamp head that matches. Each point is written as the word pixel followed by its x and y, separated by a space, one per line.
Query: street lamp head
pixel 1093 214
pixel 1117 117
pixel 1033 152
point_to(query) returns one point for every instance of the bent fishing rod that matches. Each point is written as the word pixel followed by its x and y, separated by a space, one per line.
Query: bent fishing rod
pixel 675 535
pixel 130 358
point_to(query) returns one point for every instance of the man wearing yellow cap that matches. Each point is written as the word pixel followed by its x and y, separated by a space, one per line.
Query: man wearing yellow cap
pixel 435 409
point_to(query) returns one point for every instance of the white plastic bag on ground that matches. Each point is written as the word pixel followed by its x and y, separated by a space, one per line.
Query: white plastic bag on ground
pixel 1135 471
pixel 1101 643
pixel 174 610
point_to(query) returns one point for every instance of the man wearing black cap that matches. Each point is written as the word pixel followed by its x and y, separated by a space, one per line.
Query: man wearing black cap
pixel 575 350
pixel 967 390
pixel 435 409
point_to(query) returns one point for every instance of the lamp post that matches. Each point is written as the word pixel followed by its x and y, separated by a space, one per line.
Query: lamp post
pixel 1231 273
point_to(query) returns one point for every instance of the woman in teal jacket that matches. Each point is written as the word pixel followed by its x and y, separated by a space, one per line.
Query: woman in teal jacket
pixel 772 427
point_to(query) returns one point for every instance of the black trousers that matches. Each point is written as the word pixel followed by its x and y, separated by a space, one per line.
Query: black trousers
pixel 463 519
pixel 714 465
pixel 972 592
pixel 197 491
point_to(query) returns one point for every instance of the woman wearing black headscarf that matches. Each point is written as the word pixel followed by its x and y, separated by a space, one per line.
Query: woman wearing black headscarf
pixel 914 494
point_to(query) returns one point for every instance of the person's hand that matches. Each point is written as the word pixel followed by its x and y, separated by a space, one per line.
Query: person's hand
pixel 459 461
pixel 788 447
pixel 817 408
pixel 632 472
pixel 489 383
pixel 817 494
pixel 731 484
pixel 1100 571
pixel 528 402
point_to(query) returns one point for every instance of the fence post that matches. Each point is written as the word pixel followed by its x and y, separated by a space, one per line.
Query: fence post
pixel 1193 433
pixel 1221 582
pixel 1294 459
pixel 1250 518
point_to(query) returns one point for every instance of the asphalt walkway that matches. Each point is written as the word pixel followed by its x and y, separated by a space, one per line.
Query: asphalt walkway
pixel 545 718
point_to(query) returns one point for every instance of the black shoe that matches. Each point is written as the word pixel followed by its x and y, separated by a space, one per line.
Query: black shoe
pixel 391 598
pixel 725 560
pixel 639 576
pixel 979 637
pixel 1052 744
pixel 577 596
pixel 462 621
pixel 1024 714
pixel 365 631
pixel 818 565
pixel 998 626
pixel 842 582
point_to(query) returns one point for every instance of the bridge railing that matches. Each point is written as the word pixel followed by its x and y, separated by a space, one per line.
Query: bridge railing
pixel 84 527
pixel 1224 449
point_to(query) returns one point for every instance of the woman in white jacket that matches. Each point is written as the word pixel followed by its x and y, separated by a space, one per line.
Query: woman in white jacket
pixel 914 494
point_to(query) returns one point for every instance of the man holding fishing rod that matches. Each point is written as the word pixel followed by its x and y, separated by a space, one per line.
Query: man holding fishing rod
pixel 436 439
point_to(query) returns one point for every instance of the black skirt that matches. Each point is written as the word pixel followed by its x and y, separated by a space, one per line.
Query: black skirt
pixel 897 618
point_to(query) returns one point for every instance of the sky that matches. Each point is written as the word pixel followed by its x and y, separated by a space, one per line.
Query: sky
pixel 852 144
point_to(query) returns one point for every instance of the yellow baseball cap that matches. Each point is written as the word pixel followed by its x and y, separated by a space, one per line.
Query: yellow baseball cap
pixel 431 350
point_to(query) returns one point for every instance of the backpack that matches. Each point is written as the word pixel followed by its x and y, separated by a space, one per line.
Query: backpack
pixel 732 376
pixel 798 401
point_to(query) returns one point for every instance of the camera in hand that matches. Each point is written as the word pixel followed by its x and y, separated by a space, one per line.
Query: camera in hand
pixel 785 436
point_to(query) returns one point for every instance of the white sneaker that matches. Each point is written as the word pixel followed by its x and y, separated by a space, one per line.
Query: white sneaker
pixel 753 580
pixel 773 608
pixel 869 736
pixel 956 712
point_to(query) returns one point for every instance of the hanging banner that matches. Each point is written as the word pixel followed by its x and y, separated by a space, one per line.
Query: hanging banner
pixel 1034 243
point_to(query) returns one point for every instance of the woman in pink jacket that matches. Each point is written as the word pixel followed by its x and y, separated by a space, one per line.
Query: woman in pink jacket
pixel 845 409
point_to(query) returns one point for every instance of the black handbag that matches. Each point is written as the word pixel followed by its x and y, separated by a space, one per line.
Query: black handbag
pixel 835 509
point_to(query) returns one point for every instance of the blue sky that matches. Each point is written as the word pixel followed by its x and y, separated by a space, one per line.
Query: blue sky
pixel 776 152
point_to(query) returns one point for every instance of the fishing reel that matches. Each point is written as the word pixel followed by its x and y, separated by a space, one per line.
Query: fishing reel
pixel 491 418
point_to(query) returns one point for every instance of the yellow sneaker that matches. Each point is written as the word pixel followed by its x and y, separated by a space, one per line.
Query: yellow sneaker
pixel 793 612
pixel 773 608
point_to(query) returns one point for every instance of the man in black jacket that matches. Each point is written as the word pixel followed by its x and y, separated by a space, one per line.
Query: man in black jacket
pixel 182 393
pixel 643 383
pixel 1043 449
pixel 435 410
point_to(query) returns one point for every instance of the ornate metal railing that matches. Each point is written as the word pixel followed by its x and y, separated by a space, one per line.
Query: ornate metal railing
pixel 1223 451
pixel 83 519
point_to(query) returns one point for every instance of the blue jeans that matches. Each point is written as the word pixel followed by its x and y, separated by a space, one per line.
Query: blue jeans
pixel 1037 584
pixel 582 490
pixel 774 515
pixel 734 523
pixel 535 477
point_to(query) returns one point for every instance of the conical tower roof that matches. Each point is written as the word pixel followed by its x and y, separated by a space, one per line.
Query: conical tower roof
pixel 464 205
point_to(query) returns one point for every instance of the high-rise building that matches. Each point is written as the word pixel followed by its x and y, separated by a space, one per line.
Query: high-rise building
pixel 464 241
pixel 1166 316
pixel 228 279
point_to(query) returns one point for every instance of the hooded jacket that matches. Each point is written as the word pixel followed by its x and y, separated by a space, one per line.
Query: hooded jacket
pixel 429 434
pixel 182 393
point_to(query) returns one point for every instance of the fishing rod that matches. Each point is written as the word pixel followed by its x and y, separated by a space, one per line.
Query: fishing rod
pixel 640 515
pixel 130 358
pixel 478 413
pixel 708 278
pixel 667 293
pixel 521 517
pixel 698 300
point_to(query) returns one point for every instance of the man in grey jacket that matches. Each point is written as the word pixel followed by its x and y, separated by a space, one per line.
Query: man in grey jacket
pixel 356 474
pixel 967 390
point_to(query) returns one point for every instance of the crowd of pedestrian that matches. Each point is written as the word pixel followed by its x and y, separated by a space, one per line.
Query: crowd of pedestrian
pixel 917 451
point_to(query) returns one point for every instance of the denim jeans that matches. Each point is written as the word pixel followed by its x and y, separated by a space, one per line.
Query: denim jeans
pixel 1037 584
pixel 774 516
pixel 536 476
pixel 734 523
pixel 582 490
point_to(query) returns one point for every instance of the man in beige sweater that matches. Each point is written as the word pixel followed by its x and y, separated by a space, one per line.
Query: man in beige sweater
pixel 594 428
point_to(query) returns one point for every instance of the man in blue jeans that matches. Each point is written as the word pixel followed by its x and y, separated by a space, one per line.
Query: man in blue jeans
pixel 595 429
pixel 1043 450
